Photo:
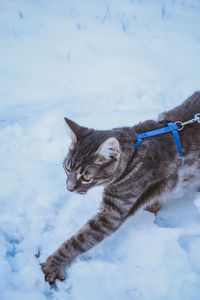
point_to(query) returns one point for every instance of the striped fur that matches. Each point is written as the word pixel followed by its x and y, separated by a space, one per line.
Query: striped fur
pixel 130 182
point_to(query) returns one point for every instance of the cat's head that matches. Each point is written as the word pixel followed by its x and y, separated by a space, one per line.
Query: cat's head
pixel 92 159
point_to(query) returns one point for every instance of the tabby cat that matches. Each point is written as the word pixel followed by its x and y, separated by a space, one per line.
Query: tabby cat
pixel 131 180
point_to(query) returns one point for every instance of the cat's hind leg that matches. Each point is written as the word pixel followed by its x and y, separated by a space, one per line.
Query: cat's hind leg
pixel 154 207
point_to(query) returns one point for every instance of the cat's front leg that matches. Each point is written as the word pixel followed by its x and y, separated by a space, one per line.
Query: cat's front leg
pixel 110 217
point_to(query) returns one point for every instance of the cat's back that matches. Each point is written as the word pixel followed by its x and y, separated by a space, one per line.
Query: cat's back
pixel 185 111
pixel 190 134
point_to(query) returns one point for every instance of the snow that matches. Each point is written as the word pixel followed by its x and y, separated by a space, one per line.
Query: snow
pixel 102 64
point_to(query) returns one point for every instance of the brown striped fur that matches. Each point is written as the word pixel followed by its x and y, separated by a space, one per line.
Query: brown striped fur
pixel 130 181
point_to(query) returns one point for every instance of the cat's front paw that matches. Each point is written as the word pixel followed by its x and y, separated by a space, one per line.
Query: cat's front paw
pixel 53 270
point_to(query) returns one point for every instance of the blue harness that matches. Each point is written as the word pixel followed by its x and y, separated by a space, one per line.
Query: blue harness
pixel 171 127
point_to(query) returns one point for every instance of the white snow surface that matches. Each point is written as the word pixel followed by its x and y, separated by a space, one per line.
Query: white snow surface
pixel 103 64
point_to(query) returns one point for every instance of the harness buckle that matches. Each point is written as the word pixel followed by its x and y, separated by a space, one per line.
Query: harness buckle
pixel 164 122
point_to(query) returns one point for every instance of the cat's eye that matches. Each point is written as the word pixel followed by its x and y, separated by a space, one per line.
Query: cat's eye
pixel 86 178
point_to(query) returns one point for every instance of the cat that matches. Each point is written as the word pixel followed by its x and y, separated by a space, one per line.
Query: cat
pixel 131 179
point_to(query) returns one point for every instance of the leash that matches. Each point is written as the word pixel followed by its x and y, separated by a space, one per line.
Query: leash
pixel 174 128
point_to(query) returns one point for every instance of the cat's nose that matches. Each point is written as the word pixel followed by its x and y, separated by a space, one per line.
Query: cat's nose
pixel 70 189
pixel 70 186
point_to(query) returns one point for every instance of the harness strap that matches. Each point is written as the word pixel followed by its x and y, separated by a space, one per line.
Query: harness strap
pixel 171 127
pixel 178 142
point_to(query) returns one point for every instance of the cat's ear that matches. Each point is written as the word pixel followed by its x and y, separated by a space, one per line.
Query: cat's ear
pixel 75 130
pixel 109 149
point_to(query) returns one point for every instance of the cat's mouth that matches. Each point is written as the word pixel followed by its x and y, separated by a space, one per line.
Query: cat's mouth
pixel 81 192
pixel 76 190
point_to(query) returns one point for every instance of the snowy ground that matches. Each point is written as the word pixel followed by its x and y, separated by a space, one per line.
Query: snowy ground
pixel 102 64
